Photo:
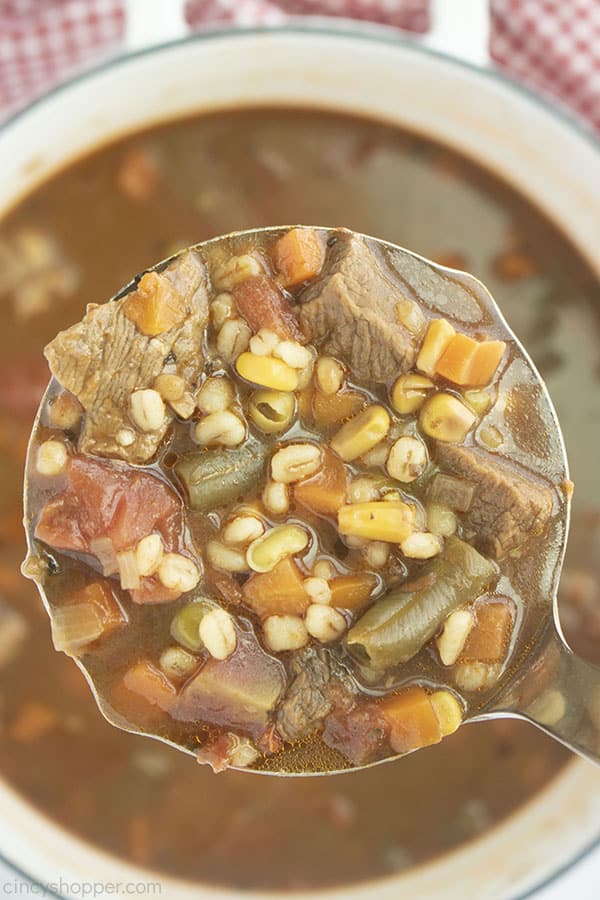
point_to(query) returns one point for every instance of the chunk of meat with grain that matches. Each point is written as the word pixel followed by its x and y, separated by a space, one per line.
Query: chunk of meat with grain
pixel 306 702
pixel 351 312
pixel 121 504
pixel 121 347
pixel 508 507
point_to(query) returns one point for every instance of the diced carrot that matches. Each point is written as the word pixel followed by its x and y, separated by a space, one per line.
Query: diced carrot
pixel 412 720
pixel 100 595
pixel 331 410
pixel 278 592
pixel 154 307
pixel 148 682
pixel 488 641
pixel 298 256
pixel 485 362
pixel 467 362
pixel 325 492
pixel 33 721
pixel 353 591
pixel 260 301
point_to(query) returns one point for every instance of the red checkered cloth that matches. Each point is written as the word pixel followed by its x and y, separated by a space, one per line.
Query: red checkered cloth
pixel 551 45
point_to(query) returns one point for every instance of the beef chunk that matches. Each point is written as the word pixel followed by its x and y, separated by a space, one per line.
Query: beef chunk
pixel 352 310
pixel 508 506
pixel 122 346
pixel 357 729
pixel 306 702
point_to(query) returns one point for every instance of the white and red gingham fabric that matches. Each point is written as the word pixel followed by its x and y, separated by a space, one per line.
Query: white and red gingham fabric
pixel 550 45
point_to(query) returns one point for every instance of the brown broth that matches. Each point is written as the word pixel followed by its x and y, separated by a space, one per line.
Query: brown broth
pixel 245 169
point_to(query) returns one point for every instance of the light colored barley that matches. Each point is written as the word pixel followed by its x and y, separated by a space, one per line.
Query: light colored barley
pixel 149 554
pixel 243 752
pixel 233 339
pixel 293 353
pixel 475 676
pixel 421 545
pixel 178 573
pixel 441 520
pixel 549 708
pixel 51 458
pixel 125 437
pixel 294 462
pixel 264 342
pixel 355 542
pixel 170 387
pixel 184 407
pixel 318 590
pixel 305 374
pixel 228 558
pixel 177 663
pixel 147 409
pixel 243 530
pixel 221 309
pixel 407 459
pixel 223 429
pixel 215 395
pixel 323 569
pixel 377 456
pixel 65 411
pixel 276 498
pixel 329 374
pixel 235 270
pixel 453 638
pixel 217 632
pixel 284 633
pixel 324 623
pixel 377 554
pixel 363 490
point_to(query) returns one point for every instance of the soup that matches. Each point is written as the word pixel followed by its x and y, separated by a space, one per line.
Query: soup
pixel 133 203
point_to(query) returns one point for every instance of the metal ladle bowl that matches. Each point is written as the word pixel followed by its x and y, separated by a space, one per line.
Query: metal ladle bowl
pixel 544 682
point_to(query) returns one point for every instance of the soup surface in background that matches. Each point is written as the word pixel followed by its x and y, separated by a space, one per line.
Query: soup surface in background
pixel 76 240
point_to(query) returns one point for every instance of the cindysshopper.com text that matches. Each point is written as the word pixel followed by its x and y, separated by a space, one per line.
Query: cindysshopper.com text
pixel 76 889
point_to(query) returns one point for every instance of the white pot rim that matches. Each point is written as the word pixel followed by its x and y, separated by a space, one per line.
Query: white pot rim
pixel 335 29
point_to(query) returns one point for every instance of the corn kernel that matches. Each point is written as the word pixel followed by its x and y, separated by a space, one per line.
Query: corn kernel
pixel 361 433
pixel 267 371
pixel 377 521
pixel 447 710
pixel 445 418
pixel 438 336
pixel 265 552
pixel 478 399
pixel 410 392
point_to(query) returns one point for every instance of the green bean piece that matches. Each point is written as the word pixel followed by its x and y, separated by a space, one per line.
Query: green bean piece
pixel 213 478
pixel 400 624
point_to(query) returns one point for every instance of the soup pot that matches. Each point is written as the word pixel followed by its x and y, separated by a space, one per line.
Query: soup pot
pixel 537 149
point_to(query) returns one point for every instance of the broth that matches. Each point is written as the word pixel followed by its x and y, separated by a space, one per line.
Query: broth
pixel 135 202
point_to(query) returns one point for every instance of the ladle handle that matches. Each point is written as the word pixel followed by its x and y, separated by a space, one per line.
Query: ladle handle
pixel 560 693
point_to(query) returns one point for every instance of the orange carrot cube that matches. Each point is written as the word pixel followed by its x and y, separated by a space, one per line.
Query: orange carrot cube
pixel 155 306
pixel 325 492
pixel 489 639
pixel 150 684
pixel 278 592
pixel 412 720
pixel 99 594
pixel 353 591
pixel 467 362
pixel 298 256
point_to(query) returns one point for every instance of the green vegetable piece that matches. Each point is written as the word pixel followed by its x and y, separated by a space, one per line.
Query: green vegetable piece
pixel 185 627
pixel 213 478
pixel 397 627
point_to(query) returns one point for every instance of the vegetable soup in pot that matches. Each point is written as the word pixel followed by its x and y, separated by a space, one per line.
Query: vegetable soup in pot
pixel 75 240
